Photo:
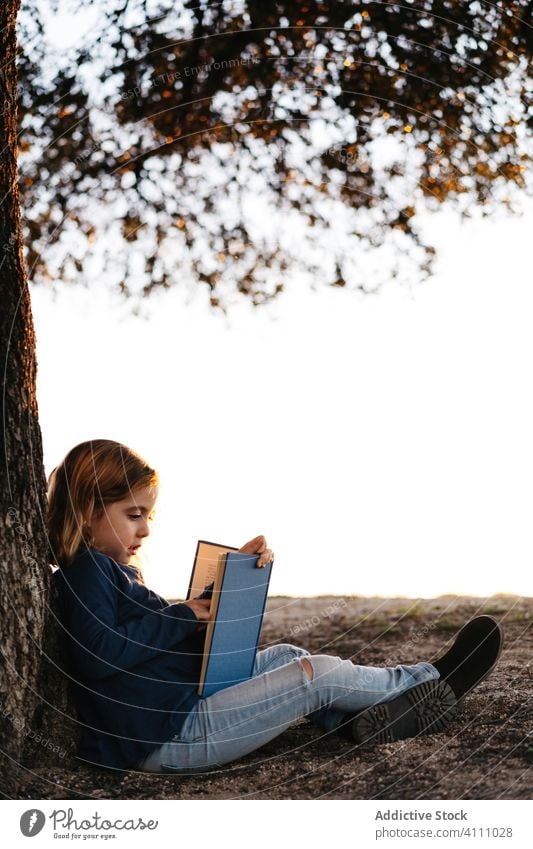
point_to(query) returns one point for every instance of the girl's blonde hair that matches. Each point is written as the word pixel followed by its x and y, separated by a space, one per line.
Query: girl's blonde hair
pixel 93 474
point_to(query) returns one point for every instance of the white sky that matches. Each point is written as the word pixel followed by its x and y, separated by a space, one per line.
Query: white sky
pixel 383 444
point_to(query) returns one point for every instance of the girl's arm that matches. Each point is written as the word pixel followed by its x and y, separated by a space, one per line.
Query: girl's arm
pixel 100 647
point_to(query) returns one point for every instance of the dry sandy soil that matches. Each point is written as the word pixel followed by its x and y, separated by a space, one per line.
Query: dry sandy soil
pixel 487 753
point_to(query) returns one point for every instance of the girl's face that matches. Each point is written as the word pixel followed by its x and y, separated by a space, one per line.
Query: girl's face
pixel 120 529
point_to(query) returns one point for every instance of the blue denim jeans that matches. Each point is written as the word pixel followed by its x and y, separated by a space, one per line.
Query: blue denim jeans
pixel 237 720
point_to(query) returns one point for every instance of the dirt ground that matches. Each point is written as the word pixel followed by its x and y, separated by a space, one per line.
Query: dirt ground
pixel 487 753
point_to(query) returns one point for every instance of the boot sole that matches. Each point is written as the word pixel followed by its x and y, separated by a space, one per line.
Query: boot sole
pixel 425 709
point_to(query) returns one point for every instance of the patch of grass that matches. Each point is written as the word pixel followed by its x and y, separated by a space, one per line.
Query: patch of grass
pixel 518 616
pixel 446 624
pixel 409 610
pixel 494 609
pixel 418 610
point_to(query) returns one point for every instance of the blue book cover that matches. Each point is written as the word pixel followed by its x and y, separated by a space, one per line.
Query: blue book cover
pixel 239 598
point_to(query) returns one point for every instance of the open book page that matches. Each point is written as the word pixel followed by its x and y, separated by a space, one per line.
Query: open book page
pixel 205 566
pixel 218 581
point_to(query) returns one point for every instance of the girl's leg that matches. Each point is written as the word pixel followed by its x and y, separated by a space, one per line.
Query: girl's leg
pixel 239 719
pixel 327 718
pixel 278 655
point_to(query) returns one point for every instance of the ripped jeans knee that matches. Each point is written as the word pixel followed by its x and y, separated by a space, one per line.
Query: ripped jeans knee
pixel 277 655
pixel 318 665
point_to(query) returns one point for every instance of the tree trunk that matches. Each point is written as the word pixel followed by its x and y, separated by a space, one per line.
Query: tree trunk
pixel 24 570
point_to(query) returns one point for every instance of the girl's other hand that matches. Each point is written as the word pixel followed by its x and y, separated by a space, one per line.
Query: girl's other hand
pixel 258 545
pixel 200 608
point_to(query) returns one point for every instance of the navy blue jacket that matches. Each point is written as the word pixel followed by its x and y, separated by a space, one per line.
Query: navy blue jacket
pixel 134 659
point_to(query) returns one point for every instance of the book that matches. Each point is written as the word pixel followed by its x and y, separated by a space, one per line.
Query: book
pixel 238 600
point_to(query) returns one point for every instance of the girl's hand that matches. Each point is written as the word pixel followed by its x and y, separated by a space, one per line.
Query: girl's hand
pixel 200 608
pixel 258 545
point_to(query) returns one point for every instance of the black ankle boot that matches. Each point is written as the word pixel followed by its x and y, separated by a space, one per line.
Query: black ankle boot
pixel 472 656
pixel 424 709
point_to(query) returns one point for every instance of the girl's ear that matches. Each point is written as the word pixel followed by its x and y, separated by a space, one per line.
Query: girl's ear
pixel 91 517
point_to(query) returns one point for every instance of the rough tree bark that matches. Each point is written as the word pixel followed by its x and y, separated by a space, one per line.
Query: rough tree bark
pixel 24 570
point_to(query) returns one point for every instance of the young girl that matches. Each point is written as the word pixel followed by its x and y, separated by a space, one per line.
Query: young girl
pixel 134 659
